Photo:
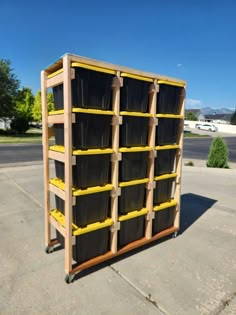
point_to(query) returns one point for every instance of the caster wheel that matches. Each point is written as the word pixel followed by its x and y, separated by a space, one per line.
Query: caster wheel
pixel 69 278
pixel 174 235
pixel 49 249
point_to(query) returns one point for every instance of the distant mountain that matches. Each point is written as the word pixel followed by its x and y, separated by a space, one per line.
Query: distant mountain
pixel 211 111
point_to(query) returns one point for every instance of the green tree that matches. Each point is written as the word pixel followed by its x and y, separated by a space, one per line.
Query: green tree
pixel 233 118
pixel 24 104
pixel 218 155
pixel 190 116
pixel 9 85
pixel 37 107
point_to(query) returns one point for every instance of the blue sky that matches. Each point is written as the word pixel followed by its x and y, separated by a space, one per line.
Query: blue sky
pixel 191 40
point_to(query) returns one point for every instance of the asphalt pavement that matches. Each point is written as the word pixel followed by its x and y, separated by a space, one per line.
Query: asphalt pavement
pixel 194 148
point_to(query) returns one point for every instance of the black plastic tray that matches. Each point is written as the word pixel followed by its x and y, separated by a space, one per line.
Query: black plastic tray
pixel 169 99
pixel 89 245
pixel 167 131
pixel 131 198
pixel 131 230
pixel 134 95
pixel 88 132
pixel 164 162
pixel 88 209
pixel 90 170
pixel 133 166
pixel 134 131
pixel 90 89
pixel 163 191
pixel 164 219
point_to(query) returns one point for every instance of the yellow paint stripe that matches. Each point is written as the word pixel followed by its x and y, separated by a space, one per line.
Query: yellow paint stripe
pixel 178 84
pixel 135 149
pixel 56 112
pixel 133 214
pixel 165 176
pixel 167 147
pixel 94 68
pixel 134 182
pixel 55 73
pixel 135 114
pixel 165 205
pixel 92 111
pixel 169 116
pixel 137 77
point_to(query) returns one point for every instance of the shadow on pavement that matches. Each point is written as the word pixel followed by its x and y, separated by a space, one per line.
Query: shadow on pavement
pixel 193 207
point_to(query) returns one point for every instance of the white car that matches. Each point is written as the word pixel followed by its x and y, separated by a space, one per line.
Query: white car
pixel 207 127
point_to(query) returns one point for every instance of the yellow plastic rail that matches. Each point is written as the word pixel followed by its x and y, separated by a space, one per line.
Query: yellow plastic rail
pixel 93 227
pixel 169 116
pixel 135 149
pixel 133 214
pixel 80 192
pixel 135 114
pixel 137 77
pixel 165 205
pixel 134 182
pixel 179 84
pixel 83 111
pixel 167 147
pixel 60 218
pixel 55 73
pixel 165 176
pixel 61 149
pixel 94 68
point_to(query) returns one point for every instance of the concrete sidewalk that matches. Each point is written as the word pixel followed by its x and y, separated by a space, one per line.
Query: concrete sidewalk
pixel 192 274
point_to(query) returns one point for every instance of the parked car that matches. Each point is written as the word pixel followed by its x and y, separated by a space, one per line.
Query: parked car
pixel 207 127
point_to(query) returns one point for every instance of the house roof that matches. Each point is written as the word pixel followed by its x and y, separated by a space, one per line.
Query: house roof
pixel 225 117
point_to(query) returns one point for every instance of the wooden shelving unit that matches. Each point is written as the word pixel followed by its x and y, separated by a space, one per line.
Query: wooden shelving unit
pixel 62 72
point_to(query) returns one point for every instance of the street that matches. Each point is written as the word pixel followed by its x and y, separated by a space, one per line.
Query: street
pixel 194 148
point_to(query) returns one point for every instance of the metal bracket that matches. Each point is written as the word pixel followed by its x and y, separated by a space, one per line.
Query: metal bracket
pixel 151 185
pixel 153 121
pixel 152 154
pixel 154 88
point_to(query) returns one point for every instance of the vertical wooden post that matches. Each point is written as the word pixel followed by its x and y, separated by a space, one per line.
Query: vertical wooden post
pixel 68 162
pixel 115 160
pixel 151 143
pixel 179 155
pixel 45 158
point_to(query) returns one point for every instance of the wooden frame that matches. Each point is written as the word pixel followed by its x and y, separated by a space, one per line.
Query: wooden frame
pixel 62 72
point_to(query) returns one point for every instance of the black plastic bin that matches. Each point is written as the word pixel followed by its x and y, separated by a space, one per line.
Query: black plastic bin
pixel 90 170
pixel 133 166
pixel 131 230
pixel 89 245
pixel 131 198
pixel 164 219
pixel 134 95
pixel 167 131
pixel 164 162
pixel 89 132
pixel 90 89
pixel 134 131
pixel 169 99
pixel 88 209
pixel 163 191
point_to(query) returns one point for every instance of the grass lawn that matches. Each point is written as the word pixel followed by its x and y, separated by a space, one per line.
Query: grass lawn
pixel 31 136
pixel 194 135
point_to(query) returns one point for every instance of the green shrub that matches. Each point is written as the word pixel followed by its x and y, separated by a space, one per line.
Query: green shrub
pixel 19 125
pixel 218 155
